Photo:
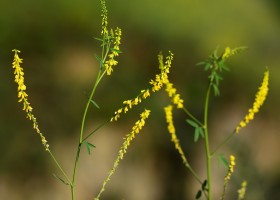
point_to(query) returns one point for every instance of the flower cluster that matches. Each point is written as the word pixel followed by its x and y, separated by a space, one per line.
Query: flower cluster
pixel 23 97
pixel 127 140
pixel 242 190
pixel 231 168
pixel 114 51
pixel 172 131
pixel 162 78
pixel 231 52
pixel 175 97
pixel 128 104
pixel 157 84
pixel 104 16
pixel 259 100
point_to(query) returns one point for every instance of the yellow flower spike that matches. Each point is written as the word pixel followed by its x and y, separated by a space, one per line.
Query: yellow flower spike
pixel 22 96
pixel 242 190
pixel 127 140
pixel 259 100
pixel 172 132
pixel 104 22
pixel 229 173
pixel 157 84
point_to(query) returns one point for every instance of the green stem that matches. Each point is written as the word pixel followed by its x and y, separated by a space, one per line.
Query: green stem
pixel 192 117
pixel 58 165
pixel 207 148
pixel 96 129
pixel 98 79
pixel 223 143
pixel 193 172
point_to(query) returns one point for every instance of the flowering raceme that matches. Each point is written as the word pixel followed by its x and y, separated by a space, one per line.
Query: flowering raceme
pixel 127 140
pixel 172 131
pixel 259 100
pixel 22 96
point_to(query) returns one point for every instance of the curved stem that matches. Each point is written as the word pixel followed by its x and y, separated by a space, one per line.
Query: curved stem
pixel 207 148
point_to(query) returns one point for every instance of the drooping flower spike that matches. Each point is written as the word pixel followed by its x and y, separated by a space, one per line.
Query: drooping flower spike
pixel 23 96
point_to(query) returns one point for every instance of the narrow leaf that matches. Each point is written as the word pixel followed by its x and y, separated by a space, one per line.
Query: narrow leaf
pixel 88 146
pixel 223 160
pixel 60 179
pixel 200 63
pixel 198 194
pixel 216 90
pixel 116 50
pixel 204 185
pixel 196 134
pixel 201 132
pixel 95 104
pixel 99 39
pixel 192 123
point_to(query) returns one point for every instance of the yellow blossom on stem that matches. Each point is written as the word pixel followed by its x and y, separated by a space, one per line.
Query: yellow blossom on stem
pixel 231 52
pixel 172 131
pixel 127 140
pixel 229 173
pixel 242 190
pixel 176 100
pixel 23 97
pixel 104 16
pixel 259 100
pixel 111 62
pixel 231 168
pixel 157 84
pixel 161 78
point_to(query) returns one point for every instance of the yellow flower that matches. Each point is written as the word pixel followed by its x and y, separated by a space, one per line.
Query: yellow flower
pixel 104 16
pixel 22 96
pixel 111 62
pixel 163 76
pixel 172 131
pixel 176 100
pixel 231 52
pixel 157 84
pixel 259 100
pixel 231 168
pixel 242 190
pixel 127 140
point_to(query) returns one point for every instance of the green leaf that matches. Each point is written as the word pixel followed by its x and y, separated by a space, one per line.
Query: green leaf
pixel 200 63
pixel 99 39
pixel 198 194
pixel 192 123
pixel 204 185
pixel 100 61
pixel 223 160
pixel 201 132
pixel 95 104
pixel 60 179
pixel 116 50
pixel 196 134
pixel 216 90
pixel 88 146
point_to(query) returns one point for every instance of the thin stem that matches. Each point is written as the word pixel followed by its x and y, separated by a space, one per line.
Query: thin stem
pixel 58 165
pixel 223 143
pixel 193 172
pixel 193 117
pixel 207 148
pixel 96 129
pixel 100 75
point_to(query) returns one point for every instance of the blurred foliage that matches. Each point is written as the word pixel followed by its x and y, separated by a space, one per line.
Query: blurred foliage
pixel 56 38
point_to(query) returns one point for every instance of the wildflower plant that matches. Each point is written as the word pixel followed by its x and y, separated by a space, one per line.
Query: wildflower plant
pixel 110 40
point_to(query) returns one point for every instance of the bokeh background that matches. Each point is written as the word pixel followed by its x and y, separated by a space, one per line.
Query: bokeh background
pixel 56 40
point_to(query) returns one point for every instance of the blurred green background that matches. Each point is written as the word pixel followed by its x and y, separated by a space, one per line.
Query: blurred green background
pixel 56 40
